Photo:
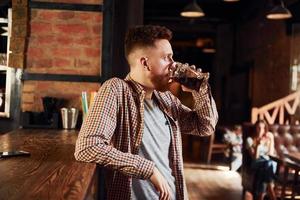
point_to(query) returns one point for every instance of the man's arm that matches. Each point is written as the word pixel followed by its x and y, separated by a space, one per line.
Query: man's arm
pixel 202 119
pixel 93 143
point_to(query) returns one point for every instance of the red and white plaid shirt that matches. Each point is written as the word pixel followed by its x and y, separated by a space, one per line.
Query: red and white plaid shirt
pixel 113 131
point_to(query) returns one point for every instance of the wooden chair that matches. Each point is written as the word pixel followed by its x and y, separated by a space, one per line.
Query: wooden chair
pixel 218 148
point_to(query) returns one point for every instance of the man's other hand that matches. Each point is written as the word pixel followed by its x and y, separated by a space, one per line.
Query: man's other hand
pixel 160 185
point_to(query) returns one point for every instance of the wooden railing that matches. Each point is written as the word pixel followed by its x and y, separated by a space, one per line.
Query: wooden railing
pixel 277 110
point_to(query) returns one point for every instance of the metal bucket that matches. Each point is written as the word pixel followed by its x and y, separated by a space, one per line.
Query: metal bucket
pixel 69 117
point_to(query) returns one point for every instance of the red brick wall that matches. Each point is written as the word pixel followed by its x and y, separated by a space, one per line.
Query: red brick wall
pixel 33 91
pixel 62 42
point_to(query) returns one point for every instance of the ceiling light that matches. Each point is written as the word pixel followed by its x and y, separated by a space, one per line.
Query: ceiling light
pixel 209 50
pixel 192 10
pixel 231 0
pixel 279 12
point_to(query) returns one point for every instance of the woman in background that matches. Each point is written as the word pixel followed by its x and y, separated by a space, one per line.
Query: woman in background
pixel 260 146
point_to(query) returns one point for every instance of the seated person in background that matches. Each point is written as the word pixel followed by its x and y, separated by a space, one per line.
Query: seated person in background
pixel 235 139
pixel 260 146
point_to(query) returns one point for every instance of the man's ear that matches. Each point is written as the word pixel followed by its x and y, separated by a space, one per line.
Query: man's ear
pixel 144 62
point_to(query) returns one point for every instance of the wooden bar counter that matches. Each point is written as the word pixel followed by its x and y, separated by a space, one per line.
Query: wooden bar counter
pixel 50 172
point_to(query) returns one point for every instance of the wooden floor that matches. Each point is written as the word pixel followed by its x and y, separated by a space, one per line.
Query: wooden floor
pixel 210 183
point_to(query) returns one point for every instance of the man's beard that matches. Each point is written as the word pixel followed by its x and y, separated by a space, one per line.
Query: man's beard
pixel 163 88
pixel 161 84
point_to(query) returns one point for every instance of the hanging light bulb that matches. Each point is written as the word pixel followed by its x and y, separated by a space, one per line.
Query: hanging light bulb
pixel 231 0
pixel 279 12
pixel 192 10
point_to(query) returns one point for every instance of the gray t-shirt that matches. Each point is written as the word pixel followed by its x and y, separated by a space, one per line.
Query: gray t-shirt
pixel 155 147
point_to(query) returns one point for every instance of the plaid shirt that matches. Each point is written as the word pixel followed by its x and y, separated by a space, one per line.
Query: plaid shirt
pixel 113 131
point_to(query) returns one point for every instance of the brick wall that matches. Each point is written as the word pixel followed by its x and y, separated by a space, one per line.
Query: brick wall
pixel 33 91
pixel 62 42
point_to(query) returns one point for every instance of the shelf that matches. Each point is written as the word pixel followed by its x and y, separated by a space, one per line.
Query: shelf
pixel 3 20
pixel 3 67
pixel 5 71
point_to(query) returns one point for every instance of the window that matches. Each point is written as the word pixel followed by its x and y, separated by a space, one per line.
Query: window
pixel 295 58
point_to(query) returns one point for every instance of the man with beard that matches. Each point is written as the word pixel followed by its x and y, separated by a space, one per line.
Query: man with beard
pixel 134 126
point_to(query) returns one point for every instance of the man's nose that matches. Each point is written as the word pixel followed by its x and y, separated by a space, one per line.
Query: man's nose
pixel 172 65
pixel 171 59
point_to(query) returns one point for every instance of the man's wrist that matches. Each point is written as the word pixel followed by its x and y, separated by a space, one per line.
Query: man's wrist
pixel 152 174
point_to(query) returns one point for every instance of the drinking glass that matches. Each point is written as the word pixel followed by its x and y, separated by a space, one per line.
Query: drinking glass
pixel 187 75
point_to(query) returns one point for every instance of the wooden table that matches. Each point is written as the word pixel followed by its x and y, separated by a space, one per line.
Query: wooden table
pixel 51 172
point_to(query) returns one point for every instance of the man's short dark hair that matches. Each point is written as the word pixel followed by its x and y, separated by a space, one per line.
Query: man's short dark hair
pixel 145 36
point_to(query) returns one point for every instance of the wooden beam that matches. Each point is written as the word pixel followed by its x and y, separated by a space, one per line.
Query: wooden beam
pixel 65 6
pixel 61 77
